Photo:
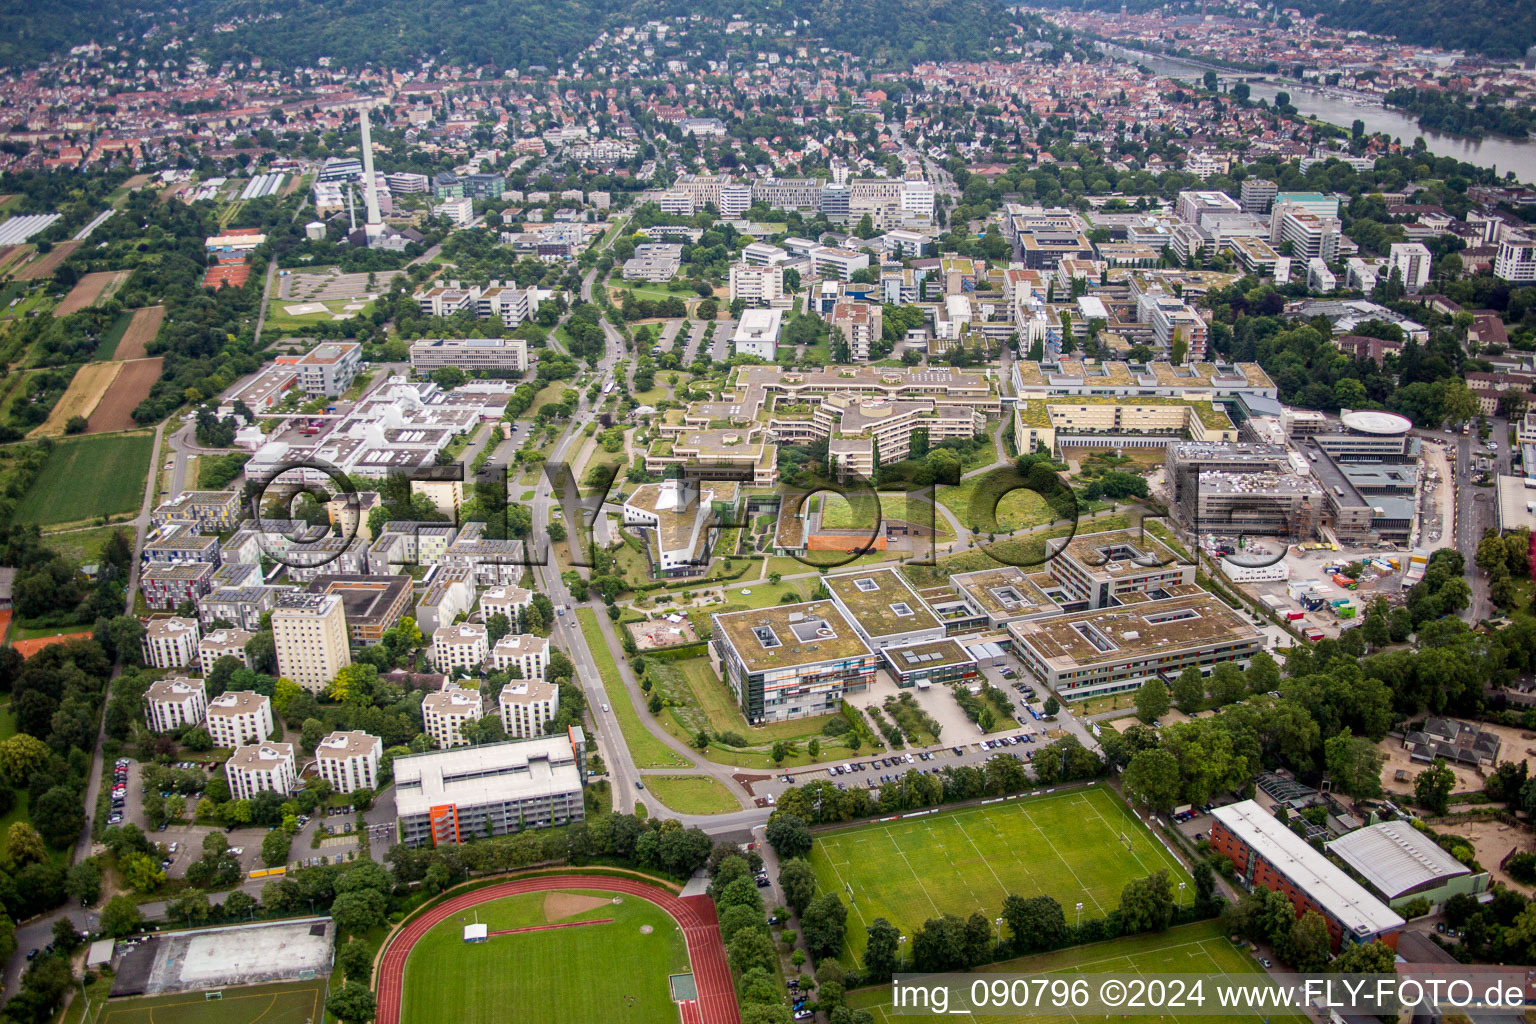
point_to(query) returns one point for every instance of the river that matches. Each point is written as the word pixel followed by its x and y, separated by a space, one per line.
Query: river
pixel 1495 151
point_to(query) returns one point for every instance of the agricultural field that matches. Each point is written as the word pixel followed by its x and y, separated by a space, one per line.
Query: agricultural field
pixel 45 265
pixel 90 382
pixel 1079 845
pixel 89 290
pixel 88 477
pixel 548 975
pixel 129 388
pixel 293 1003
pixel 140 332
pixel 1190 949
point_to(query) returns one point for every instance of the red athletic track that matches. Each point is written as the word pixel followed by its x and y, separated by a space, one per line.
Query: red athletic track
pixel 694 914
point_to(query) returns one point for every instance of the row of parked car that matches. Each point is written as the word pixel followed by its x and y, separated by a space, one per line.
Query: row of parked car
pixel 119 791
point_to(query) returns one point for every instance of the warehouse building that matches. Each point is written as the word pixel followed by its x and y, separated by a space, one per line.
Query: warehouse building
pixel 1400 864
pixel 1267 853
pixel 490 790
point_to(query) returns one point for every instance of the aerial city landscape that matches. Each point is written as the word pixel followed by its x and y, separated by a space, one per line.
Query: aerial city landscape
pixel 585 512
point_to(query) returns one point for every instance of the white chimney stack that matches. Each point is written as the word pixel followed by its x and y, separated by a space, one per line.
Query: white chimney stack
pixel 374 224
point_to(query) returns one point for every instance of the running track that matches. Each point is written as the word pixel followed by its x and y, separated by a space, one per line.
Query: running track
pixel 694 914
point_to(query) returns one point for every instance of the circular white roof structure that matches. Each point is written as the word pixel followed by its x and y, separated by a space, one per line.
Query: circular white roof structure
pixel 1376 422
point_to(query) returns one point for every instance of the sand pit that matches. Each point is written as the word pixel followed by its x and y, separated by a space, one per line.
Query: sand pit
pixel 43 266
pixel 89 290
pixel 115 410
pixel 558 905
pixel 141 331
pixel 82 396
pixel 1492 841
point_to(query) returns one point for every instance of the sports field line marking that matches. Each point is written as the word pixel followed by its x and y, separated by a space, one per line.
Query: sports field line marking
pixel 964 881
pixel 1097 814
pixel 916 878
pixel 844 884
pixel 999 881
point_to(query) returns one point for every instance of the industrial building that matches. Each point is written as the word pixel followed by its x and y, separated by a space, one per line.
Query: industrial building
pixel 1400 864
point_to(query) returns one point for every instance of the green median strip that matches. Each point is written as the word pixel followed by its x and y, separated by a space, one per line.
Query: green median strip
pixel 647 750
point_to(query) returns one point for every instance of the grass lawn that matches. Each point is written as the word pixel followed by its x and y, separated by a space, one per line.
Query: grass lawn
pixel 88 476
pixel 551 392
pixel 602 972
pixel 699 699
pixel 85 545
pixel 7 721
pixel 294 1003
pixel 838 513
pixel 692 794
pixel 1067 845
pixel 1190 949
pixel 647 750
pixel 980 507
pixel 112 335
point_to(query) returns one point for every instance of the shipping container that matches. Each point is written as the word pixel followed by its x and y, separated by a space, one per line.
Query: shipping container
pixel 1295 616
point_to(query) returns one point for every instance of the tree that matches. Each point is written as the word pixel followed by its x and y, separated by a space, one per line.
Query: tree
pixel 1152 779
pixel 1354 764
pixel 353 1003
pixel 120 917
pixel 1432 787
pixel 1189 690
pixel 798 881
pixel 881 947
pixel 1146 904
pixel 1309 942
pixel 1152 701
pixel 23 845
pixel 83 882
pixel 20 756
pixel 355 960
pixel 1035 923
pixel 1051 705
pixel 359 910
pixel 59 816
pixel 141 872
pixel 789 834
pixel 822 925
pixel 274 847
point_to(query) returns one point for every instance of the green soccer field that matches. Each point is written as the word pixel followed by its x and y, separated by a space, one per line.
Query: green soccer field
pixel 87 477
pixel 1070 845
pixel 292 1003
pixel 599 972
pixel 1191 949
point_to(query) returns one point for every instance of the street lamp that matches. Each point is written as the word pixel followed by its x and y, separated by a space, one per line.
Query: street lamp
pixel 1181 893
pixel 901 944
pixel 999 931
pixel 1079 915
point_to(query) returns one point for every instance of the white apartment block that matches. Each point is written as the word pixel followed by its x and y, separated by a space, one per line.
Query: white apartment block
pixel 458 211
pixel 349 760
pixel 757 285
pixel 1411 260
pixel 260 767
pixel 679 204
pixel 170 643
pixel 310 633
pixel 526 704
pixel 735 199
pixel 237 717
pixel 1309 234
pixel 527 653
pixel 504 601
pixel 1516 260
pixel 223 643
pixel 444 713
pixel 917 199
pixel 173 702
pixel 461 645
pixel 861 324
pixel 838 263
pixel 1172 319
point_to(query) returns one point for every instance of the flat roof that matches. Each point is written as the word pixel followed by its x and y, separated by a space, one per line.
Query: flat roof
pixel 1003 592
pixel 1376 422
pixel 1343 897
pixel 491 773
pixel 881 601
pixel 920 657
pixel 790 635
pixel 1133 632
pixel 1116 553
pixel 1396 858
